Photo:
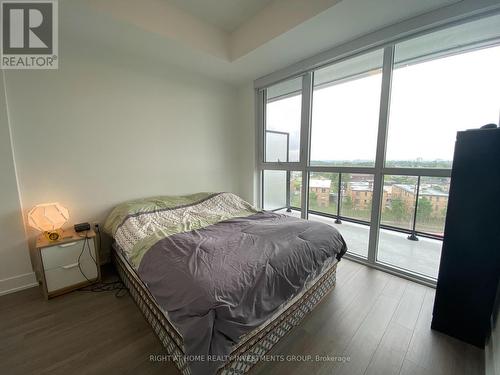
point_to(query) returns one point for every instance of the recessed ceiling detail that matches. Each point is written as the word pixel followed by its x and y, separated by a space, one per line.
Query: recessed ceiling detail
pixel 227 15
pixel 238 45
pixel 227 29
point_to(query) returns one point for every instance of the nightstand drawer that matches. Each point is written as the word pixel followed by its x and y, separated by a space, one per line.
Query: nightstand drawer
pixel 58 263
pixel 66 253
pixel 68 275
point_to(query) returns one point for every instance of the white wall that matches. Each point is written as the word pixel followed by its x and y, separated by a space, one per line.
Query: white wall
pixel 110 126
pixel 248 181
pixel 15 267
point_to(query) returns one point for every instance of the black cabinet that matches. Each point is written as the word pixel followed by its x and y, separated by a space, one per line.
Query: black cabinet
pixel 470 261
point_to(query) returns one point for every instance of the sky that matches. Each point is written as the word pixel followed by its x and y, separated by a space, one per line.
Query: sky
pixel 430 102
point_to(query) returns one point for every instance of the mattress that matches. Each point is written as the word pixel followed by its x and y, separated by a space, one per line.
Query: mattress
pixel 326 269
pixel 252 346
pixel 216 278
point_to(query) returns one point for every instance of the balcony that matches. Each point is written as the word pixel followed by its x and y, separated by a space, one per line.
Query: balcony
pixel 412 216
pixel 421 257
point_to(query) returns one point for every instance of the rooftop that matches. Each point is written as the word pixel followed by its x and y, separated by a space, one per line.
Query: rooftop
pixel 320 183
pixel 361 186
pixel 424 190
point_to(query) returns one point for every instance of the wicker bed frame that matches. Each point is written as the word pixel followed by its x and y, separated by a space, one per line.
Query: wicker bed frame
pixel 247 354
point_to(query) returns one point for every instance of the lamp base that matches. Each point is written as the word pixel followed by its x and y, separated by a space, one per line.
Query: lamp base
pixel 53 235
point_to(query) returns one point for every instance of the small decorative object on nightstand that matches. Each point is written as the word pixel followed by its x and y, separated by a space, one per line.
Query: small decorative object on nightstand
pixel 69 263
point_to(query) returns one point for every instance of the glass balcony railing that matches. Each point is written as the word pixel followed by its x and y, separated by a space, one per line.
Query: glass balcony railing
pixel 413 210
pixel 415 205
pixel 421 257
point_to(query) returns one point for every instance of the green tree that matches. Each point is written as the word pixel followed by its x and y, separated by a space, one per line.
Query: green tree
pixel 424 208
pixel 347 202
pixel 369 205
pixel 398 209
pixel 313 196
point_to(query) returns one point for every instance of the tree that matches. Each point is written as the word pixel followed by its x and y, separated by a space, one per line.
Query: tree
pixel 313 196
pixel 398 209
pixel 347 202
pixel 424 208
pixel 313 200
pixel 369 205
pixel 346 177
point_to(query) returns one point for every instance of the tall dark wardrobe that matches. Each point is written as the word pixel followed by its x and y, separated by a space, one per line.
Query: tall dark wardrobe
pixel 470 261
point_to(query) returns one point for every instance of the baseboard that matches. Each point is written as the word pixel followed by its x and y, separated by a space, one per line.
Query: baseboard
pixel 17 283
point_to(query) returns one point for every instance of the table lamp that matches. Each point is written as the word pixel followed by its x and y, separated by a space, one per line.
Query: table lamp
pixel 48 218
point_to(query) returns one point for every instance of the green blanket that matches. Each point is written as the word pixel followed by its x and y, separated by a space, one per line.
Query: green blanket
pixel 137 225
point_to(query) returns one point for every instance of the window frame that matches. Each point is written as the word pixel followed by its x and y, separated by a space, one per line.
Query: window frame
pixel 379 170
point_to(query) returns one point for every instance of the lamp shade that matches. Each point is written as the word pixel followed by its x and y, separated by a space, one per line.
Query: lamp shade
pixel 48 216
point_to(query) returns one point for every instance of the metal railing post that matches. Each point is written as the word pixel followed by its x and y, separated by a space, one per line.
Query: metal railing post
pixel 413 236
pixel 288 206
pixel 339 197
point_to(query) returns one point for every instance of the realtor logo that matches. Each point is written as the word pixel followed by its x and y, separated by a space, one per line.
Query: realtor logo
pixel 29 34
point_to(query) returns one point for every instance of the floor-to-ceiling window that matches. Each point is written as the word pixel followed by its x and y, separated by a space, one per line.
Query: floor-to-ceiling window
pixel 366 144
pixel 344 139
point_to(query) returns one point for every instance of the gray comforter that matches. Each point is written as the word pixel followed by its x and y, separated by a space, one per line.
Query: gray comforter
pixel 224 280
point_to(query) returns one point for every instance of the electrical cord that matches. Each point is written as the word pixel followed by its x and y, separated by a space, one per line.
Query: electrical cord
pixel 90 253
pixel 113 286
pixel 117 286
pixel 80 256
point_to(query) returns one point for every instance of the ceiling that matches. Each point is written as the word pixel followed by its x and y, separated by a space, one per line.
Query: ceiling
pixel 204 24
pixel 227 15
pixel 166 34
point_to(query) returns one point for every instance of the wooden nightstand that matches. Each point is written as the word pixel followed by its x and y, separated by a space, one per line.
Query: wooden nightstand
pixel 67 264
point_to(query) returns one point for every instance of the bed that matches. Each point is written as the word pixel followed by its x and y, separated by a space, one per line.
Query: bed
pixel 219 281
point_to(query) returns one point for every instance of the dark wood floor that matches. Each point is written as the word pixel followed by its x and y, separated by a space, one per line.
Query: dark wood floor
pixel 379 322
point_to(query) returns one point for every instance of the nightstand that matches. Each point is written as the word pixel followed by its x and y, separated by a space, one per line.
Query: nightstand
pixel 70 263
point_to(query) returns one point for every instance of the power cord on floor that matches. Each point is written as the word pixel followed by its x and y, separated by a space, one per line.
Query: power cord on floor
pixel 114 286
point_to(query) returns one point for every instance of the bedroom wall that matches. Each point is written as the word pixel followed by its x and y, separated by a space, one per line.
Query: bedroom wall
pixel 15 267
pixel 110 126
pixel 248 182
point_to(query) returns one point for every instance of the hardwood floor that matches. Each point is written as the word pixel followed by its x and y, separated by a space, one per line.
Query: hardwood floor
pixel 372 323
